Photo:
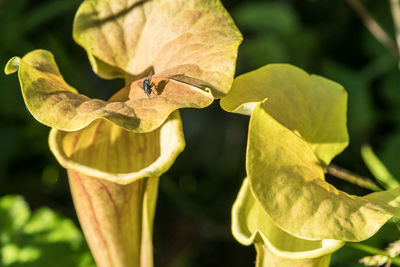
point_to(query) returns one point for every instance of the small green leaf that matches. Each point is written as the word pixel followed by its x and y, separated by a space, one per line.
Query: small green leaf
pixel 14 213
pixel 51 228
pixel 376 167
pixel 129 38
pixel 287 180
pixel 39 239
pixel 55 103
pixel 12 255
pixel 310 105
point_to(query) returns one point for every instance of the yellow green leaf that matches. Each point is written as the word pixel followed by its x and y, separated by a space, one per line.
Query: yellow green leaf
pixel 287 180
pixel 131 38
pixel 312 106
pixel 55 103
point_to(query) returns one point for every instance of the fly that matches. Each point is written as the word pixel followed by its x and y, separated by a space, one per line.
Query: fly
pixel 146 85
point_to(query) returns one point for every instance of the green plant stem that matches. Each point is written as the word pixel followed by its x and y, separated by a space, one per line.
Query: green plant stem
pixel 395 8
pixel 376 167
pixel 374 251
pixel 373 26
pixel 351 177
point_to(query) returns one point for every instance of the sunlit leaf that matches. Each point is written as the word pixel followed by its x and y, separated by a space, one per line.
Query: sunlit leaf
pixel 130 38
pixel 312 106
pixel 55 103
pixel 287 179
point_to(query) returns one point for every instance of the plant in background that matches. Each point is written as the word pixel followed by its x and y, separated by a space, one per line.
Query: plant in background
pixel 38 238
pixel 115 150
pixel 285 207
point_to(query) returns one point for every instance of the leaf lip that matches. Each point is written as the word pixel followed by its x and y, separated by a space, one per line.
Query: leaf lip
pixel 12 65
pixel 243 109
pixel 328 245
pixel 155 169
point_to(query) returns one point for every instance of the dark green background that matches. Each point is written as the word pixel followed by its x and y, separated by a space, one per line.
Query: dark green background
pixel 192 225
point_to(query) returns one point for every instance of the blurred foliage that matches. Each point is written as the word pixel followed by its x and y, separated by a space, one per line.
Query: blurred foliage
pixel 276 36
pixel 39 238
pixel 323 37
